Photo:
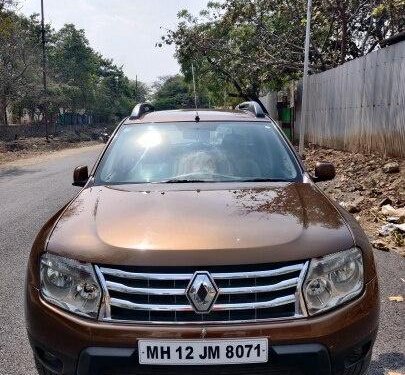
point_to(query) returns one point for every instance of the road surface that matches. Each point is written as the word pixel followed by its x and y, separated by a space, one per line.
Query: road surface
pixel 32 190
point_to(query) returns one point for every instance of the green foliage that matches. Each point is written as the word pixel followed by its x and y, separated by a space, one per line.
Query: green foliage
pixel 19 60
pixel 89 81
pixel 173 92
pixel 6 4
pixel 258 44
pixel 79 79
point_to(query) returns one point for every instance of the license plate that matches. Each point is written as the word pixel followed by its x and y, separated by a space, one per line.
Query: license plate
pixel 202 352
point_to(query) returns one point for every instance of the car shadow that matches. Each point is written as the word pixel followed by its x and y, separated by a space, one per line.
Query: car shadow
pixel 387 362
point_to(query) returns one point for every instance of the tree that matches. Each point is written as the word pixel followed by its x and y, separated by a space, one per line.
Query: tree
pixel 6 4
pixel 116 94
pixel 73 63
pixel 86 81
pixel 19 59
pixel 173 92
pixel 79 79
pixel 258 44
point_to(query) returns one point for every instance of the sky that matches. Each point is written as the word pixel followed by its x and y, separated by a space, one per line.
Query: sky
pixel 124 30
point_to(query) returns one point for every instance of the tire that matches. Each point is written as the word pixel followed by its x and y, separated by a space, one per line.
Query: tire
pixel 42 370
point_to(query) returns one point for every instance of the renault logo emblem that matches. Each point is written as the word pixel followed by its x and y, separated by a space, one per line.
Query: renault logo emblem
pixel 202 292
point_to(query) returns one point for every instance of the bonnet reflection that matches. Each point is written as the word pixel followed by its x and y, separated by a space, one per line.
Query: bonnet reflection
pixel 298 200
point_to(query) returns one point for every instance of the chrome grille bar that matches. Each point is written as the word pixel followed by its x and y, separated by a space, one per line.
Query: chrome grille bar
pixel 139 306
pixel 188 276
pixel 146 291
pixel 161 297
pixel 258 274
pixel 290 283
pixel 118 287
pixel 286 300
pixel 144 276
pixel 236 306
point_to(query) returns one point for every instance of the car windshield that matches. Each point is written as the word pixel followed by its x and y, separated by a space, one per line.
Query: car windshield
pixel 197 152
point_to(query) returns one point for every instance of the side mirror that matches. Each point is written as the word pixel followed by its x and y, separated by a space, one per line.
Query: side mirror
pixel 324 171
pixel 80 176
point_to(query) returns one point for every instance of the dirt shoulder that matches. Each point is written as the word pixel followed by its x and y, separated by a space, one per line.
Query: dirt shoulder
pixel 372 188
pixel 38 157
pixel 28 148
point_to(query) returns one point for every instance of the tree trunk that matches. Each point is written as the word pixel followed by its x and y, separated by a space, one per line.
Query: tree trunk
pixel 3 111
pixel 343 45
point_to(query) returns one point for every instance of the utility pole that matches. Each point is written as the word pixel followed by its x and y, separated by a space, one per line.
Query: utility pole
pixel 136 88
pixel 305 80
pixel 44 70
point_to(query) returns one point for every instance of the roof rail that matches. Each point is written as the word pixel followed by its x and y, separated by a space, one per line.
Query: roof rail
pixel 253 107
pixel 140 109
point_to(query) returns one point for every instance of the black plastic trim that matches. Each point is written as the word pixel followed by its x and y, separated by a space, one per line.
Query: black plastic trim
pixel 310 358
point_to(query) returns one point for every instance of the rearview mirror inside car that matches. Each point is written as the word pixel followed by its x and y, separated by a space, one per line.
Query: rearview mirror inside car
pixel 324 171
pixel 80 176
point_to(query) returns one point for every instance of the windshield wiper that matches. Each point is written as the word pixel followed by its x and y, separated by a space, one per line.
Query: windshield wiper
pixel 189 181
pixel 264 180
pixel 180 181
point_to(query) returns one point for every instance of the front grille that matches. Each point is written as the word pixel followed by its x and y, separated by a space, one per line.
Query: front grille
pixel 247 293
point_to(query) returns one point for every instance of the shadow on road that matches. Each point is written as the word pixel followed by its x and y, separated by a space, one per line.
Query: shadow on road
pixel 15 172
pixel 387 362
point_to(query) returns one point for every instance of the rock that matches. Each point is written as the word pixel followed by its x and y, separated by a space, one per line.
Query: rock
pixel 388 210
pixel 385 201
pixel 391 167
pixel 396 299
pixel 400 227
pixel 356 187
pixel 394 219
pixel 383 190
pixel 354 206
pixel 380 245
pixel 386 230
pixel 350 207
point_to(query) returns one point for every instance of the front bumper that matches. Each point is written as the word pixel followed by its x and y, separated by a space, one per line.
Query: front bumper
pixel 326 344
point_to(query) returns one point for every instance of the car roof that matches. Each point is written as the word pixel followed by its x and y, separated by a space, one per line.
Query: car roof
pixel 189 115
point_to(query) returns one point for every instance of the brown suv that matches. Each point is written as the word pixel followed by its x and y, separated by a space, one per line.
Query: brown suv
pixel 199 243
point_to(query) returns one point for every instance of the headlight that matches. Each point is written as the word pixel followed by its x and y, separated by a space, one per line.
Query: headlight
pixel 333 280
pixel 70 284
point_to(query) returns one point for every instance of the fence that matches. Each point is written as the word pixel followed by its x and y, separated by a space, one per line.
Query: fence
pixel 360 105
pixel 12 132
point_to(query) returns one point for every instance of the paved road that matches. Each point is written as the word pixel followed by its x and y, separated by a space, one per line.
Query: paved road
pixel 31 192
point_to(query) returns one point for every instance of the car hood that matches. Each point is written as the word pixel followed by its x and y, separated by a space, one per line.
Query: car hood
pixel 192 226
